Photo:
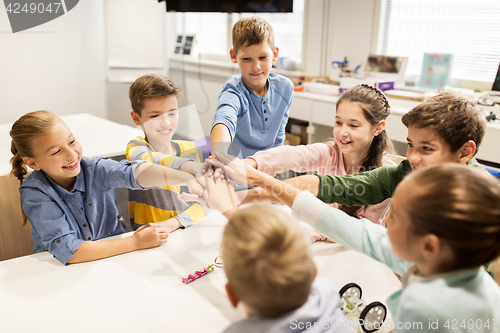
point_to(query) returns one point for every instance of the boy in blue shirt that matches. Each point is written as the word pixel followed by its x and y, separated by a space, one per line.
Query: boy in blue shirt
pixel 252 110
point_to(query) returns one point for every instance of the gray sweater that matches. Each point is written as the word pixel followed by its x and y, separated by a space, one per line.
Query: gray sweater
pixel 321 313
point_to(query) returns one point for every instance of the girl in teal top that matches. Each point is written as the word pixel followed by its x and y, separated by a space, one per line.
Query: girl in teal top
pixel 442 227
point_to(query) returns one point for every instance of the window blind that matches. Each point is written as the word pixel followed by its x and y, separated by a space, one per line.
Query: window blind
pixel 470 30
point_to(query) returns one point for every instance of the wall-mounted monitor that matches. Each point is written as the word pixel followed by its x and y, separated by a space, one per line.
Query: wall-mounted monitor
pixel 230 6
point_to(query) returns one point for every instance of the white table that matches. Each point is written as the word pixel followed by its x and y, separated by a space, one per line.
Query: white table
pixel 98 137
pixel 142 291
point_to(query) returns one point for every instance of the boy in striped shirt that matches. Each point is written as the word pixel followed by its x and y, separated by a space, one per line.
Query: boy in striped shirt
pixel 154 100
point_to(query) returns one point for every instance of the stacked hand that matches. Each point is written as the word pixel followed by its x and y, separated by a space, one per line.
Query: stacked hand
pixel 220 175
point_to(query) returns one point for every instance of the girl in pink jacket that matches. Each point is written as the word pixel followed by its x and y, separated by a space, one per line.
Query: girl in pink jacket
pixel 360 143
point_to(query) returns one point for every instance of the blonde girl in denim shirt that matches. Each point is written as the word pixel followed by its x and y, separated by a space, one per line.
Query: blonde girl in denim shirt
pixel 70 200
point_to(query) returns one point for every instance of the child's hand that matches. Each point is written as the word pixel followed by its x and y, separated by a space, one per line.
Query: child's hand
pixel 200 178
pixel 212 167
pixel 147 237
pixel 219 194
pixel 195 187
pixel 189 197
pixel 237 169
pixel 250 162
pixel 168 226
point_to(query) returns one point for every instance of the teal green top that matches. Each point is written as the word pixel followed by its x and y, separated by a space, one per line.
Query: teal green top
pixel 366 188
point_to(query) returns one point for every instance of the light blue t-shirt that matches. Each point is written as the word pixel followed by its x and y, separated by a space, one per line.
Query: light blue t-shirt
pixel 255 123
pixel 465 301
pixel 62 220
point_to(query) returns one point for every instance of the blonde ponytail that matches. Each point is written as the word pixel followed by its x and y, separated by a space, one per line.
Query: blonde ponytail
pixel 19 169
pixel 23 133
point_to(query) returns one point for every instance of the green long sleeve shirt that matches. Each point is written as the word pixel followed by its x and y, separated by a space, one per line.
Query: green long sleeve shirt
pixel 366 188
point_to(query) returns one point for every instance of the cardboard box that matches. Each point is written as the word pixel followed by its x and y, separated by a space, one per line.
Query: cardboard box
pixel 293 140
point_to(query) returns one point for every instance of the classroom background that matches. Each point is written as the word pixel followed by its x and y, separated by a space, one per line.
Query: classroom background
pixel 80 66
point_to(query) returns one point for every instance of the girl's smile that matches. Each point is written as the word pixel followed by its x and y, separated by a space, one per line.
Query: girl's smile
pixel 72 166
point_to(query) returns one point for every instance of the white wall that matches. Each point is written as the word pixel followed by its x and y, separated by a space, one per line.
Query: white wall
pixel 136 44
pixel 350 32
pixel 57 66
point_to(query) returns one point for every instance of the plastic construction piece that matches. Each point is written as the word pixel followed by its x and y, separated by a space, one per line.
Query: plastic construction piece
pixel 198 274
pixel 203 272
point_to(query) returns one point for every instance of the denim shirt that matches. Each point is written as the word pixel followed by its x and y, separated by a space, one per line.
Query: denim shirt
pixel 62 220
pixel 255 123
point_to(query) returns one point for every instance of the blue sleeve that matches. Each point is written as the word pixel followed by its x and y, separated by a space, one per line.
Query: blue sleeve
pixel 110 174
pixel 360 235
pixel 50 222
pixel 280 137
pixel 228 109
pixel 288 97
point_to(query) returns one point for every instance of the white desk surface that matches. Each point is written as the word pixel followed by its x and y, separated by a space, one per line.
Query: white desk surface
pixel 98 137
pixel 142 291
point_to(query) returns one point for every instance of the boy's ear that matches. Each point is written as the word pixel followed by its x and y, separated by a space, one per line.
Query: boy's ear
pixel 467 151
pixel 31 163
pixel 233 298
pixel 275 53
pixel 232 54
pixel 380 127
pixel 135 118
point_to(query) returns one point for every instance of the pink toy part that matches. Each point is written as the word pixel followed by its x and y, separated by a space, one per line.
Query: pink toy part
pixel 199 274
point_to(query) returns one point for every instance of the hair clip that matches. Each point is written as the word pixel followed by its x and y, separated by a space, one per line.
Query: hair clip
pixel 203 272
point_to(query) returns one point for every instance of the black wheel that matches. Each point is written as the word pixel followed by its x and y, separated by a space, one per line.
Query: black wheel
pixel 372 317
pixel 351 289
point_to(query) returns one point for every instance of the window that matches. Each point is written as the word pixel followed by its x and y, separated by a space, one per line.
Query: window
pixel 288 30
pixel 470 30
pixel 213 31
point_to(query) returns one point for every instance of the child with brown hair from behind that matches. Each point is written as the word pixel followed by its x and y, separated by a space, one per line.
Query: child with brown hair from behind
pixel 155 99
